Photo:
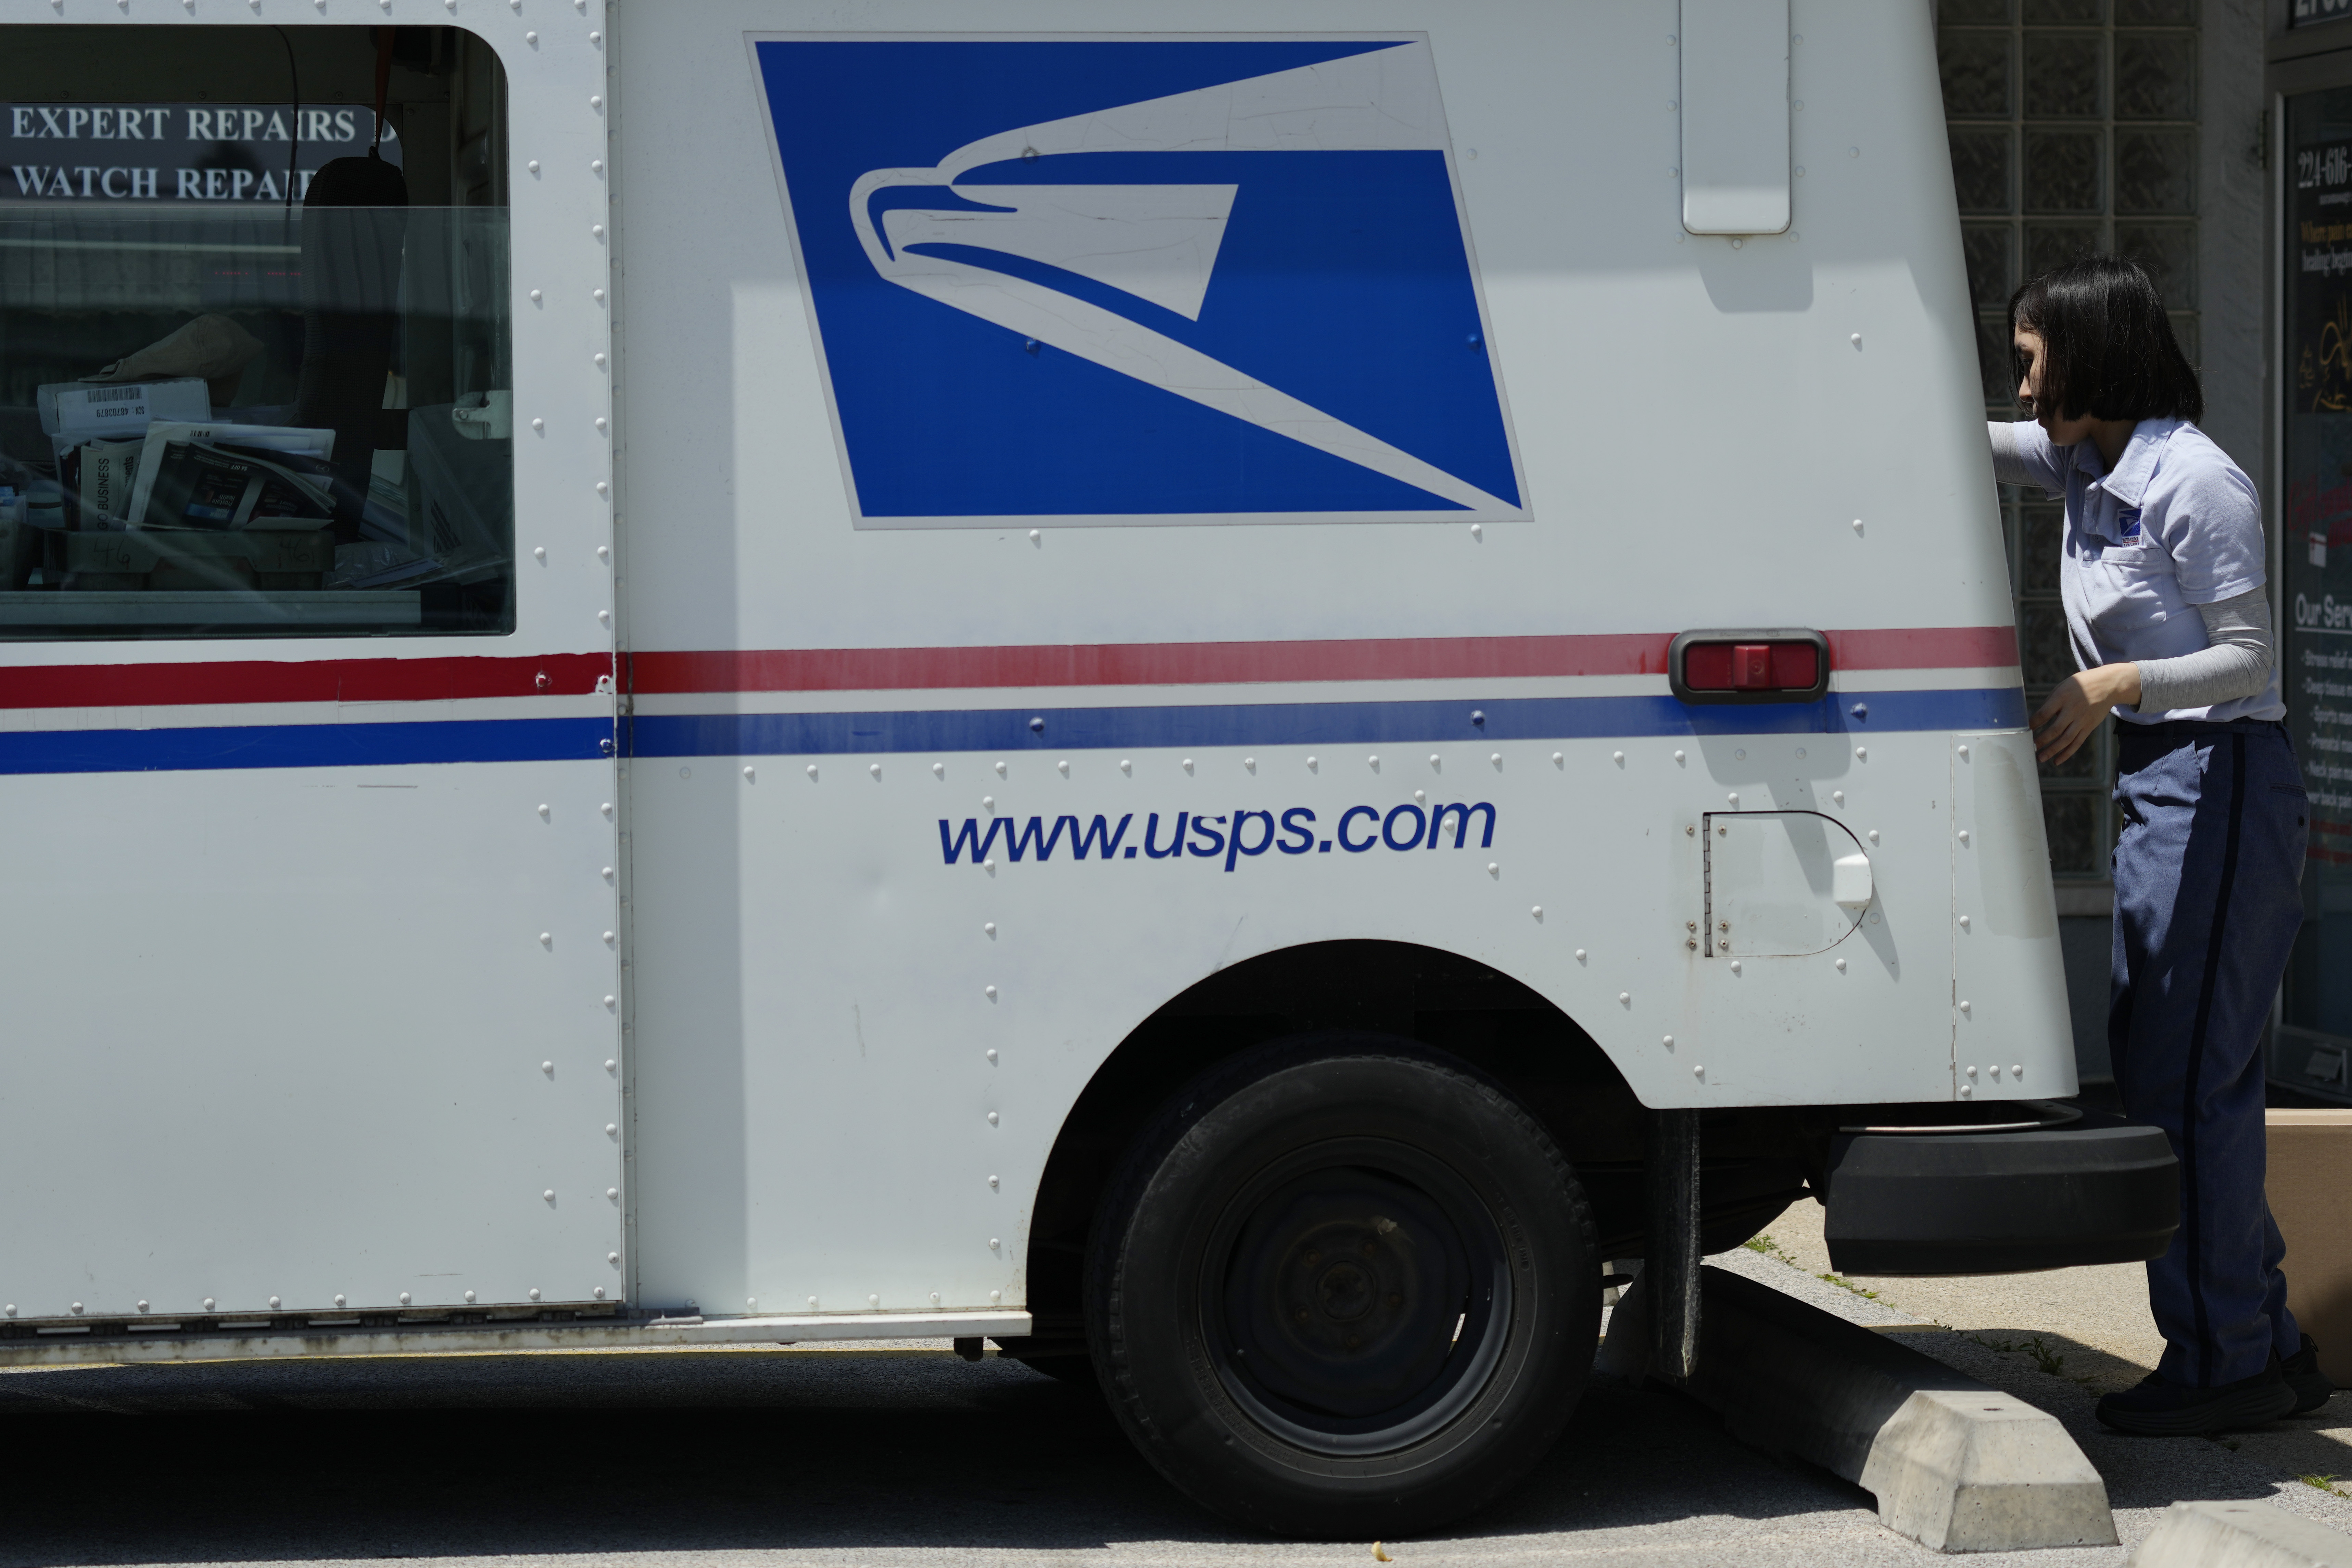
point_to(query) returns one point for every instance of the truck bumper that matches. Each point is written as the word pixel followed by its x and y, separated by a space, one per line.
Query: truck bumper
pixel 2100 1191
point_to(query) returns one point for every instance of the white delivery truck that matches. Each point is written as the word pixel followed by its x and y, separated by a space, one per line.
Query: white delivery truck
pixel 1215 689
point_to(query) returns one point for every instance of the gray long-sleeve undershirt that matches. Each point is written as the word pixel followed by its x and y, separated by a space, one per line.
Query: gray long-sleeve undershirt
pixel 2238 664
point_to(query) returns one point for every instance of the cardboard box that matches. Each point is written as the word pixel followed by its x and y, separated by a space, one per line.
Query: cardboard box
pixel 2310 1190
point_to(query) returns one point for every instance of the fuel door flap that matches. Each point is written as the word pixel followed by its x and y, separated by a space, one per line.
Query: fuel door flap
pixel 1780 884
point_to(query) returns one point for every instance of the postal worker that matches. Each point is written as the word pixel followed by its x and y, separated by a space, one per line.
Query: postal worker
pixel 2162 573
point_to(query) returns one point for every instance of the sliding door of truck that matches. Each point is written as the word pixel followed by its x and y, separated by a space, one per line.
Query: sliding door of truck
pixel 306 775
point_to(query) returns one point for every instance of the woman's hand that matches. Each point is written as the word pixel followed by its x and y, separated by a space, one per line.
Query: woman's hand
pixel 2075 709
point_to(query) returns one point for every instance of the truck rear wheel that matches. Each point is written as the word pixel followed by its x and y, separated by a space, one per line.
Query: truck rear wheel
pixel 1343 1286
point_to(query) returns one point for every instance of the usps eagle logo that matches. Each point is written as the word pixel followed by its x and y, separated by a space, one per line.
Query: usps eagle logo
pixel 1141 281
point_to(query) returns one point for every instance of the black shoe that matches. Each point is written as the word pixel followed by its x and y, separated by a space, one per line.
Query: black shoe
pixel 2311 1386
pixel 2156 1409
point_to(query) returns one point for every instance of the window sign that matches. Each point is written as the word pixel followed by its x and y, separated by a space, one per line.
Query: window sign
pixel 2315 589
pixel 141 153
pixel 2306 12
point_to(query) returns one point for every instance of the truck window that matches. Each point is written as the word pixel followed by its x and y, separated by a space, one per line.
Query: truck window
pixel 256 355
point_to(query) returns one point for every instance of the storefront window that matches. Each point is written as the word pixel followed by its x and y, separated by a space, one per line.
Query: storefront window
pixel 255 364
pixel 2316 669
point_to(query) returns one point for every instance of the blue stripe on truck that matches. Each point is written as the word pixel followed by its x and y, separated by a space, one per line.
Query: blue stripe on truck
pixel 992 729
pixel 303 745
pixel 1313 723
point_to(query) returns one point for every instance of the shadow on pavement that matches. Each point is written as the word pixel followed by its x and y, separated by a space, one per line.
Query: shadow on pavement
pixel 708 1452
pixel 2066 1377
pixel 2083 1369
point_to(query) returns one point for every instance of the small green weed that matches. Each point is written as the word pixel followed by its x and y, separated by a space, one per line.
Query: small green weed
pixel 2052 1362
pixel 2324 1483
pixel 1773 1249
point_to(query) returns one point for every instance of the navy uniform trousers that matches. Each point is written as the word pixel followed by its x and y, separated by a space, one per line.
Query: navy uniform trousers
pixel 2208 901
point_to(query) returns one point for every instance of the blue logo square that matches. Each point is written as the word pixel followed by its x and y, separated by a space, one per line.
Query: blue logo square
pixel 1143 280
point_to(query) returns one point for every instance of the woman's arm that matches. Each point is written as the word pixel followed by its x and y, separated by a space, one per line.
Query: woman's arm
pixel 2238 664
pixel 2079 703
pixel 2022 455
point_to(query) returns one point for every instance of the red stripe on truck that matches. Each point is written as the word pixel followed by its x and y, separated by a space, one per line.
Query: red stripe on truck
pixel 1925 647
pixel 937 668
pixel 1245 663
pixel 309 681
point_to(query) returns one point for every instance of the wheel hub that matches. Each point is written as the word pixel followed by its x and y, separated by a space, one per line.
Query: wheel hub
pixel 1346 1292
pixel 1343 1292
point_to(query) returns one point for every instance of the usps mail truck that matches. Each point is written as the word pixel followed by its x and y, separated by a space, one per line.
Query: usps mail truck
pixel 1216 690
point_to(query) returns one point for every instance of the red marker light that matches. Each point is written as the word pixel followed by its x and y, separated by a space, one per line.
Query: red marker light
pixel 1768 666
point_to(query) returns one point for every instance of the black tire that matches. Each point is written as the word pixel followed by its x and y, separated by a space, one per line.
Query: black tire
pixel 1345 1288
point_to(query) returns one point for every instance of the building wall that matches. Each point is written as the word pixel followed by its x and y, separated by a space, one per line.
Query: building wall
pixel 2132 125
pixel 2233 228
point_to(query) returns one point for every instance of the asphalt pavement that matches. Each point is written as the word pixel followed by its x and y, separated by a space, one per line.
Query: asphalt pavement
pixel 803 1457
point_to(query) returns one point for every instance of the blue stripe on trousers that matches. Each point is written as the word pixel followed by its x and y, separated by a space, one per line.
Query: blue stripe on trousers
pixel 2207 906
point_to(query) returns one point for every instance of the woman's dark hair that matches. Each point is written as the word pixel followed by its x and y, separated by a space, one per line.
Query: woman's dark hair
pixel 2108 347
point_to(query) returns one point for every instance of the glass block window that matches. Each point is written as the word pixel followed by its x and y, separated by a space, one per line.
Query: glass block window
pixel 2073 128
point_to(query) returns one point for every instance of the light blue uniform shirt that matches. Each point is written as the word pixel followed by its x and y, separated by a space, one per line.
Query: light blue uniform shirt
pixel 2177 525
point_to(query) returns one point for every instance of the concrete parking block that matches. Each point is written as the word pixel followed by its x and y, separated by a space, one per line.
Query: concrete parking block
pixel 2240 1535
pixel 1954 1465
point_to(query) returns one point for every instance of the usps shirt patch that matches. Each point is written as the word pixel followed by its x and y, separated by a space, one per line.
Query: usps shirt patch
pixel 2127 525
pixel 1147 280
